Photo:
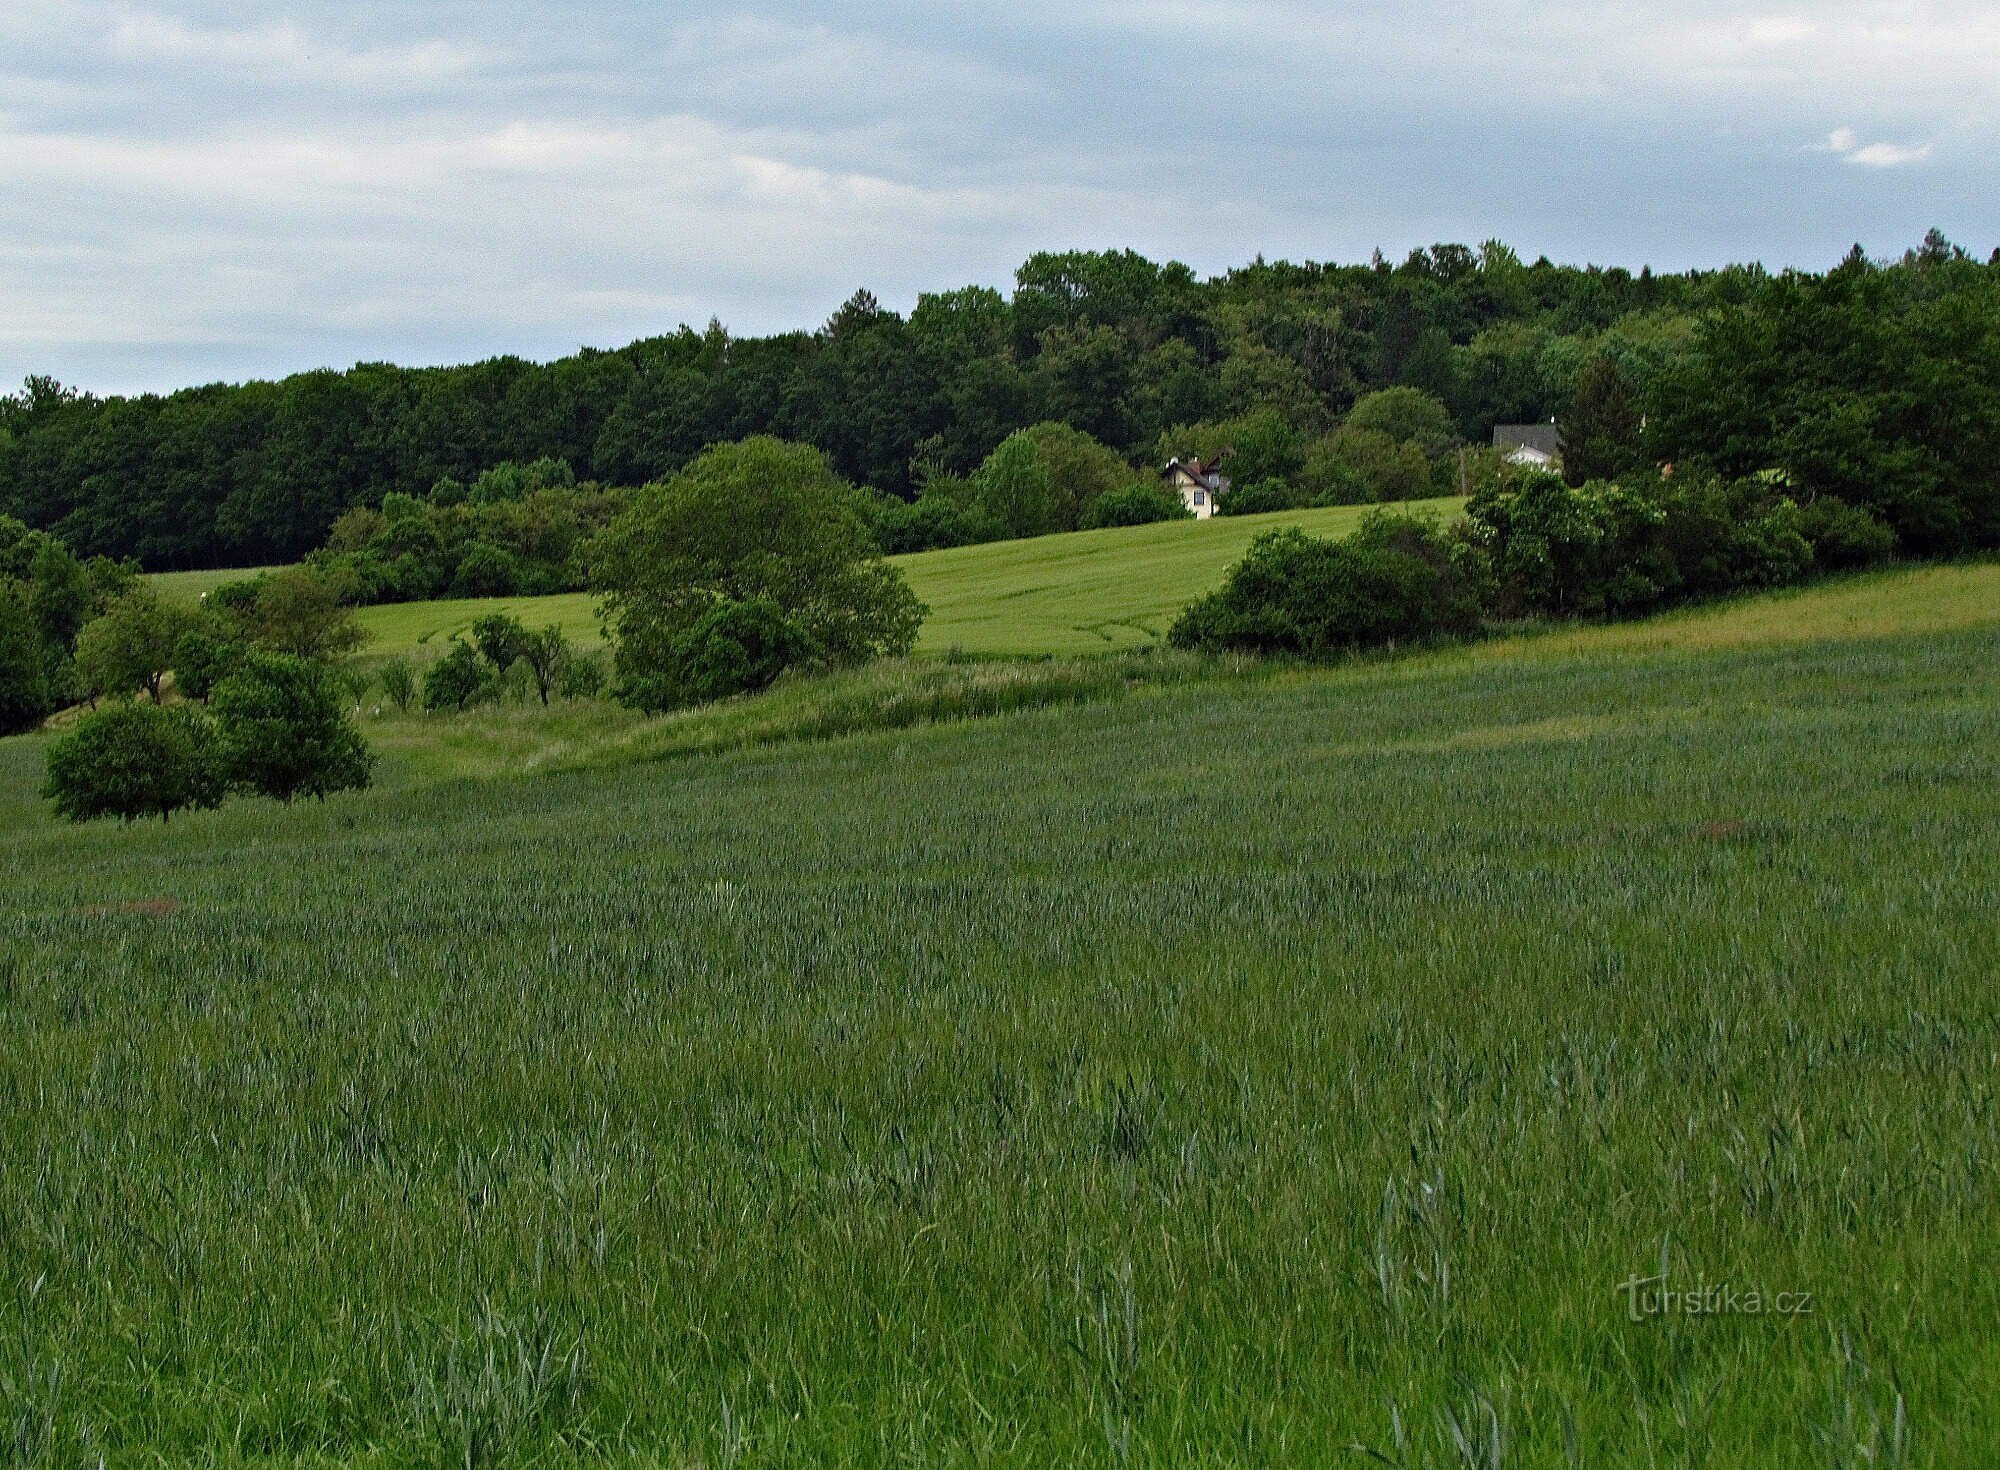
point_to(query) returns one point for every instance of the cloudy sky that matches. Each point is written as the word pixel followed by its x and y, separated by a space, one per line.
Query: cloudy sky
pixel 193 190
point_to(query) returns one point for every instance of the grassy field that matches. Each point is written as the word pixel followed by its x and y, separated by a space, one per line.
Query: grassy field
pixel 1091 592
pixel 1227 1070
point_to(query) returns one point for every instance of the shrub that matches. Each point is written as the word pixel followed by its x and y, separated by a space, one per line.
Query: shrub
pixel 486 571
pixel 1396 578
pixel 500 638
pixel 283 730
pixel 458 680
pixel 1258 497
pixel 24 687
pixel 1843 535
pixel 135 760
pixel 1725 537
pixel 581 677
pixel 398 681
pixel 1375 466
pixel 203 659
pixel 1565 550
pixel 736 648
pixel 930 523
pixel 1138 504
pixel 758 521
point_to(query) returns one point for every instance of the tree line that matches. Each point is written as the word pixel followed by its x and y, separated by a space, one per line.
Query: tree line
pixel 1137 355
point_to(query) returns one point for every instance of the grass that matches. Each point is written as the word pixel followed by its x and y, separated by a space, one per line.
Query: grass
pixel 1088 592
pixel 1220 1071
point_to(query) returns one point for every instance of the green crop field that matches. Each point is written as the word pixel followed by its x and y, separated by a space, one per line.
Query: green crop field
pixel 1088 592
pixel 1213 1067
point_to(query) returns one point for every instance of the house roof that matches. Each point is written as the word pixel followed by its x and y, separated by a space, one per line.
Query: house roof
pixel 1194 469
pixel 1542 438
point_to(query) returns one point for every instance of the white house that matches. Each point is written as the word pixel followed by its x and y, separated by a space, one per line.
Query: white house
pixel 1539 446
pixel 1197 484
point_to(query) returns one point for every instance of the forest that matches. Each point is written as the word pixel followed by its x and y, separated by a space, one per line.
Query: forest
pixel 1876 369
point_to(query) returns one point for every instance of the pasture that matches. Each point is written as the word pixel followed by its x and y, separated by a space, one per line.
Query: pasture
pixel 1214 1069
pixel 1086 592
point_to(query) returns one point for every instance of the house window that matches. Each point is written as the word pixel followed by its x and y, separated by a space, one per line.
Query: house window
pixel 1200 499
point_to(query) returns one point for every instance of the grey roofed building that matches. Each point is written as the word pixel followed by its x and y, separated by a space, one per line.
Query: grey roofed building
pixel 1536 444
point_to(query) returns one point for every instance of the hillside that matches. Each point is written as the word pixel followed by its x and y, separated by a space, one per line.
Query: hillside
pixel 1246 1063
pixel 1085 592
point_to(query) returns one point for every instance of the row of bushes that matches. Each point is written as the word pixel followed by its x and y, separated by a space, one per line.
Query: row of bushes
pixel 1532 546
pixel 518 531
pixel 275 727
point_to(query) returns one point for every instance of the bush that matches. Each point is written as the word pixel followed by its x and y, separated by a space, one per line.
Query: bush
pixel 927 524
pixel 458 680
pixel 757 521
pixel 1258 497
pixel 1397 578
pixel 1138 504
pixel 398 681
pixel 24 686
pixel 283 730
pixel 736 648
pixel 135 760
pixel 1843 535
pixel 203 659
pixel 581 677
pixel 1407 416
pixel 1565 550
pixel 486 571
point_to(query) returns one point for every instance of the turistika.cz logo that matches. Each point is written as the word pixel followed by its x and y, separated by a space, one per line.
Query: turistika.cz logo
pixel 1648 1297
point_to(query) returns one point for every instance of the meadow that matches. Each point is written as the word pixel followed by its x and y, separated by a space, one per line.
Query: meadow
pixel 1209 1066
pixel 1080 593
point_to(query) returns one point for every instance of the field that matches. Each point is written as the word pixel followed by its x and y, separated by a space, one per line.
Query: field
pixel 1090 592
pixel 1213 1067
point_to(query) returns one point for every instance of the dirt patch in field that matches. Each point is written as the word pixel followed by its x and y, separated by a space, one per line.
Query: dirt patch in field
pixel 143 908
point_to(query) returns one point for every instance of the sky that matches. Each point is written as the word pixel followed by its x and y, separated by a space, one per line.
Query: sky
pixel 194 191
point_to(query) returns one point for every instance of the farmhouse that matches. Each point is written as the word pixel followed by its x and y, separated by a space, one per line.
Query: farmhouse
pixel 1197 484
pixel 1536 445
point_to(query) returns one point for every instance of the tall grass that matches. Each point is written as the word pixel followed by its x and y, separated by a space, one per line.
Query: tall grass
pixel 1250 1073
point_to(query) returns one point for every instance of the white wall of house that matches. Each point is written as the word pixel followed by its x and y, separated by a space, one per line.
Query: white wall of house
pixel 1196 496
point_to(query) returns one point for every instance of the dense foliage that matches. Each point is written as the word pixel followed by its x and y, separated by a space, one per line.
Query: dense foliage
pixel 47 596
pixel 136 760
pixel 284 731
pixel 1397 578
pixel 757 522
pixel 1109 344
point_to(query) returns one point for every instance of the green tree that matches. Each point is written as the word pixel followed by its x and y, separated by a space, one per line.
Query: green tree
pixel 458 680
pixel 130 647
pixel 398 682
pixel 302 612
pixel 501 638
pixel 135 760
pixel 203 657
pixel 1408 416
pixel 283 730
pixel 759 520
pixel 24 694
pixel 1600 433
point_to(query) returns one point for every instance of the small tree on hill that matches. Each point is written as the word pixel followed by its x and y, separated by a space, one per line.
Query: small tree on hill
pixel 760 520
pixel 135 760
pixel 131 647
pixel 456 680
pixel 302 613
pixel 399 683
pixel 284 730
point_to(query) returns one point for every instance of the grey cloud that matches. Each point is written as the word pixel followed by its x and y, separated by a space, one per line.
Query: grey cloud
pixel 192 190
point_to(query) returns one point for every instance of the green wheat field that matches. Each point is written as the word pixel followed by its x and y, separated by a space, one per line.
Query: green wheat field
pixel 1423 1062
